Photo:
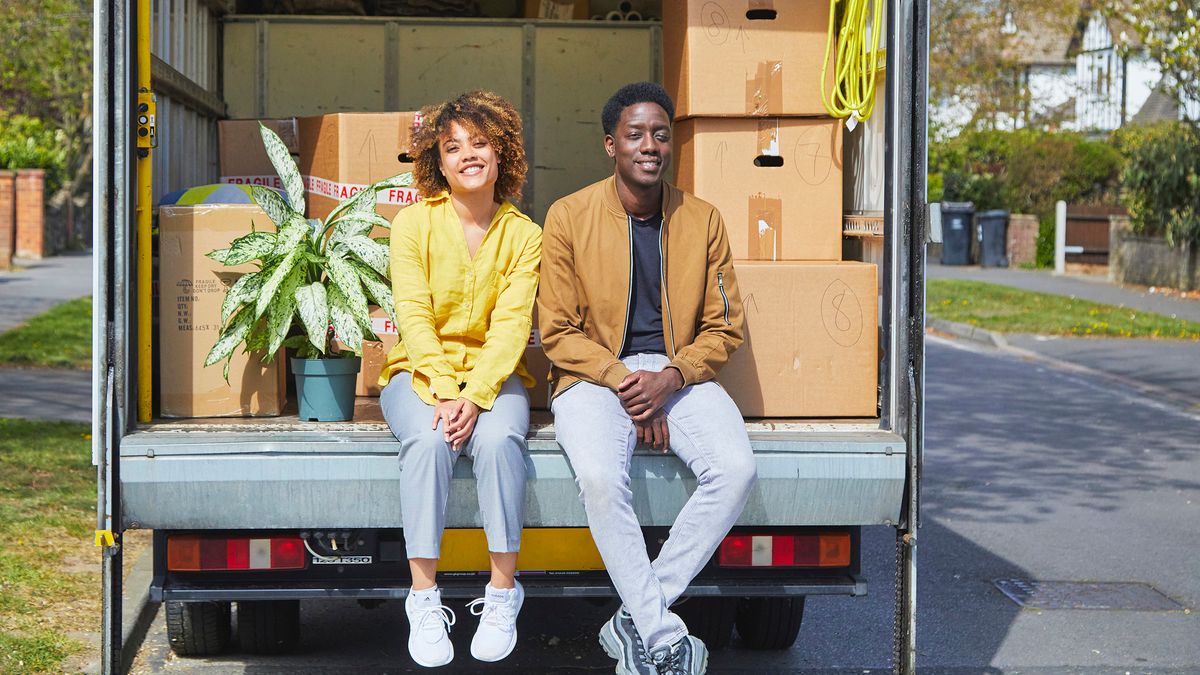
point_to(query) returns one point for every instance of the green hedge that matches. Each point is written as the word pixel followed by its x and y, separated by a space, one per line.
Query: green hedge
pixel 1025 171
pixel 30 143
pixel 1162 180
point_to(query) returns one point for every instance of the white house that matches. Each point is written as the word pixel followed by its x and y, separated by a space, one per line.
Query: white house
pixel 1112 90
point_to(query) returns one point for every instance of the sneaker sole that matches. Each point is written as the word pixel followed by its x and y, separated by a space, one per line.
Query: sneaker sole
pixel 612 646
pixel 424 664
pixel 511 645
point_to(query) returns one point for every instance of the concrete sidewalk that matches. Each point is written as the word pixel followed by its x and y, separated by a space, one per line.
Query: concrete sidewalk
pixel 35 286
pixel 1095 289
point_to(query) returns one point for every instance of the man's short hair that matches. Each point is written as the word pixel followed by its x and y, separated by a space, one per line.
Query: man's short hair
pixel 632 94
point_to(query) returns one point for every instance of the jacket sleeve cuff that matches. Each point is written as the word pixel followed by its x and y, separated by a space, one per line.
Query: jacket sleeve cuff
pixel 444 387
pixel 614 374
pixel 690 375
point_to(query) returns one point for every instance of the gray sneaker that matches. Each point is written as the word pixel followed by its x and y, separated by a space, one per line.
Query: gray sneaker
pixel 621 641
pixel 686 656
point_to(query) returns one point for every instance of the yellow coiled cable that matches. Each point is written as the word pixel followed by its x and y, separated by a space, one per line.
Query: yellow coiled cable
pixel 853 93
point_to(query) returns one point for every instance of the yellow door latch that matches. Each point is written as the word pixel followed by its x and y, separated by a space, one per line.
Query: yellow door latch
pixel 147 108
pixel 105 539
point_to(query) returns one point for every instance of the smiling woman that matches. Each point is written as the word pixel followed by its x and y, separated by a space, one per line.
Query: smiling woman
pixel 464 275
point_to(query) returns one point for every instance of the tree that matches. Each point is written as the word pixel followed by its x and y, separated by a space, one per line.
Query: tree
pixel 976 49
pixel 46 73
pixel 1169 32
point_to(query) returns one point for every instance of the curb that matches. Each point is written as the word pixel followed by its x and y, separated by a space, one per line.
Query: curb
pixel 967 332
pixel 137 612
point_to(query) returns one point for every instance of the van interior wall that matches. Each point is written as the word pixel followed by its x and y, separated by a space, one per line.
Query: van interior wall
pixel 559 77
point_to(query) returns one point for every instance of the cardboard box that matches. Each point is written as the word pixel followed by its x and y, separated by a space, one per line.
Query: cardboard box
pixel 374 358
pixel 776 181
pixel 342 153
pixel 556 9
pixel 191 290
pixel 812 334
pixel 745 57
pixel 243 159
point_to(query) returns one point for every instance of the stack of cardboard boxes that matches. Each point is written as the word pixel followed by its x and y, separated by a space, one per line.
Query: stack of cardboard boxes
pixel 752 138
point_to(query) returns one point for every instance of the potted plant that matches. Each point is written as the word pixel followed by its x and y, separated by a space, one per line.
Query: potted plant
pixel 313 282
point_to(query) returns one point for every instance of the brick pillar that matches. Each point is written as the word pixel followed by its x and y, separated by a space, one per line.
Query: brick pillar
pixel 8 217
pixel 31 213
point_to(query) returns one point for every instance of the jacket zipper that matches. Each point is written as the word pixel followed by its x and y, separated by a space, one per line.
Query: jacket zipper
pixel 724 298
pixel 662 272
pixel 629 296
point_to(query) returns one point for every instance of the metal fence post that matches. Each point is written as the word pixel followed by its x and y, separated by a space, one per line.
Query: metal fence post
pixel 1060 237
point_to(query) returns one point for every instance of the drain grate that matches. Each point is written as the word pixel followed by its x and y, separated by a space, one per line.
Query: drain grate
pixel 1085 595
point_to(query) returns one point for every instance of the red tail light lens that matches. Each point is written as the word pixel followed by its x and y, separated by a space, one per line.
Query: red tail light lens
pixel 203 553
pixel 820 549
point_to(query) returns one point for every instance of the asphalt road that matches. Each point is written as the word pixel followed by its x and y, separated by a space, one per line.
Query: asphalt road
pixel 1032 472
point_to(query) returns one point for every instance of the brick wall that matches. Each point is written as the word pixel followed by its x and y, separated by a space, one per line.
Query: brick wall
pixel 31 213
pixel 1022 239
pixel 7 218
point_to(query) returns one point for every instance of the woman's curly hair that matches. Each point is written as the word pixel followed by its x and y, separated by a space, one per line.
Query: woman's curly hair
pixel 482 112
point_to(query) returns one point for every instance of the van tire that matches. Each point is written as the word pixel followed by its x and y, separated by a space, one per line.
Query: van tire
pixel 710 619
pixel 770 623
pixel 198 628
pixel 268 626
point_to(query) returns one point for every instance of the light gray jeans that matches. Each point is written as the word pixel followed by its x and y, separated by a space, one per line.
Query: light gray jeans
pixel 497 450
pixel 708 434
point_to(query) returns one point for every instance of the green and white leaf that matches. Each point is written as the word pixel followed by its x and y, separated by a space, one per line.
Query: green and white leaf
pixel 233 335
pixel 357 224
pixel 249 247
pixel 345 326
pixel 314 312
pixel 285 166
pixel 345 277
pixel 273 282
pixel 291 234
pixel 399 180
pixel 244 290
pixel 220 255
pixel 383 241
pixel 272 204
pixel 379 291
pixel 279 315
pixel 374 255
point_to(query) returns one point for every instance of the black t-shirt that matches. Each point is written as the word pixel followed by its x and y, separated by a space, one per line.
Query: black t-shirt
pixel 644 332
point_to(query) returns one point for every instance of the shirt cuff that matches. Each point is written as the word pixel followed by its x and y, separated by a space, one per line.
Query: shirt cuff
pixel 614 375
pixel 480 395
pixel 444 387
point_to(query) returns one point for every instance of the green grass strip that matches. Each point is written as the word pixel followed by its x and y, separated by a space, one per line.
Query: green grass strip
pixel 1011 310
pixel 49 569
pixel 58 338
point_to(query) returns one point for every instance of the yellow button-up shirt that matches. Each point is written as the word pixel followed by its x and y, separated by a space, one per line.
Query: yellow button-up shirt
pixel 464 321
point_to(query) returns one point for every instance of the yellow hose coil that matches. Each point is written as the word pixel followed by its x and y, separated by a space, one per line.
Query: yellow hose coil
pixel 853 90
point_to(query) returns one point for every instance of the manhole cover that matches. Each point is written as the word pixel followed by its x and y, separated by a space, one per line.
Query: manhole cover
pixel 1085 595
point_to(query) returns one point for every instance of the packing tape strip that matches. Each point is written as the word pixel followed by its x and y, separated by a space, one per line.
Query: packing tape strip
pixel 764 91
pixel 764 229
pixel 768 137
pixel 329 189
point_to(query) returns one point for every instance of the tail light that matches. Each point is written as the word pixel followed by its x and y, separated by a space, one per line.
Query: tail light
pixel 820 549
pixel 202 553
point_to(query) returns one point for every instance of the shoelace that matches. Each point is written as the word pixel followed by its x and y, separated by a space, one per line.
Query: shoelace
pixel 671 663
pixel 443 614
pixel 495 614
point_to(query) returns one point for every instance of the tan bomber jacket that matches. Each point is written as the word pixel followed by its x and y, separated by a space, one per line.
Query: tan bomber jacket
pixel 584 296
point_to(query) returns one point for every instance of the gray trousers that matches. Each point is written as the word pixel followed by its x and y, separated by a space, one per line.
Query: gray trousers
pixel 708 434
pixel 497 450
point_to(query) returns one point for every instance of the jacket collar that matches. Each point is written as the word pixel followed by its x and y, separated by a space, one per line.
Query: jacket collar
pixel 613 202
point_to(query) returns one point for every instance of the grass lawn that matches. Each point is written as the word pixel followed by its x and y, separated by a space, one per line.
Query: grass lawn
pixel 1011 310
pixel 49 566
pixel 58 338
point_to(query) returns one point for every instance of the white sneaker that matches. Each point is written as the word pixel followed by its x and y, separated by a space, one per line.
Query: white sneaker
pixel 429 623
pixel 497 611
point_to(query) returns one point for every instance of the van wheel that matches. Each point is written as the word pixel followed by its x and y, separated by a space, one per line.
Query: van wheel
pixel 770 623
pixel 710 619
pixel 268 626
pixel 197 628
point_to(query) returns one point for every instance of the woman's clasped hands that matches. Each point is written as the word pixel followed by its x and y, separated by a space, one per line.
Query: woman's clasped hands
pixel 458 418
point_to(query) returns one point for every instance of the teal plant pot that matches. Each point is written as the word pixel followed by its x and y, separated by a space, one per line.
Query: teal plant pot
pixel 325 388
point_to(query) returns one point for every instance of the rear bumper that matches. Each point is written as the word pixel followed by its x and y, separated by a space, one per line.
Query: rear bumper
pixel 350 479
